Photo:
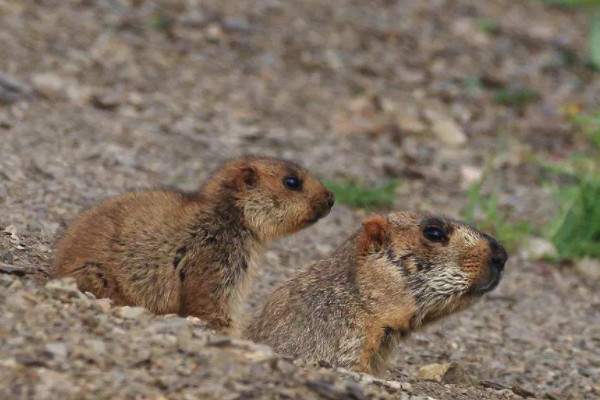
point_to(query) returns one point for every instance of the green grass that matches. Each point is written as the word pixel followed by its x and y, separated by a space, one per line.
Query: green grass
pixel 575 228
pixel 590 125
pixel 518 98
pixel 592 8
pixel 472 84
pixel 576 232
pixel 161 22
pixel 484 212
pixel 574 3
pixel 358 196
pixel 487 25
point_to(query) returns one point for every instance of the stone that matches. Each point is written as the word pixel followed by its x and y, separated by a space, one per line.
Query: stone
pixel 12 89
pixel 445 373
pixel 589 267
pixel 97 346
pixel 58 350
pixel 12 269
pixel 106 101
pixel 534 248
pixel 64 288
pixel 449 132
pixel 410 125
pixel 520 391
pixel 168 325
pixel 103 305
pixel 54 87
pixel 133 313
pixel 49 85
pixel 187 343
pixel 470 175
pixel 445 128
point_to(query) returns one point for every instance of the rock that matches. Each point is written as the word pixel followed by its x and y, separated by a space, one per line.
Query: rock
pixel 235 24
pixel 131 312
pixel 12 231
pixel 469 175
pixel 445 373
pixel 54 87
pixel 360 123
pixel 220 341
pixel 168 325
pixel 448 132
pixel 63 289
pixel 194 19
pixel 589 267
pixel 12 89
pixel 410 125
pixel 518 390
pixel 355 391
pixel 97 346
pixel 106 101
pixel 49 85
pixel 12 269
pixel 103 304
pixel 58 350
pixel 214 33
pixel 187 343
pixel 445 128
pixel 349 373
pixel 395 385
pixel 535 248
pixel 493 385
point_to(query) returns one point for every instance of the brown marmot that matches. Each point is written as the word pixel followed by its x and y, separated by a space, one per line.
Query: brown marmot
pixel 397 273
pixel 190 254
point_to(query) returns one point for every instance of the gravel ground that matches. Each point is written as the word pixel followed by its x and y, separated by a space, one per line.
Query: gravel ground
pixel 100 97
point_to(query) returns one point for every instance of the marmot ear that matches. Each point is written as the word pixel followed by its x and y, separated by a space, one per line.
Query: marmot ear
pixel 246 177
pixel 374 234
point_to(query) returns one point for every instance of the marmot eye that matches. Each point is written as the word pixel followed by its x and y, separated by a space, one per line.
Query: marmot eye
pixel 434 234
pixel 292 183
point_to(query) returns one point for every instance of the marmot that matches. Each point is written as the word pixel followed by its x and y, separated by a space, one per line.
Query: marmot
pixel 190 253
pixel 397 273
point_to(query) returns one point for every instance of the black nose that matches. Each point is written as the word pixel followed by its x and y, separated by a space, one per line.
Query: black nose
pixel 498 257
pixel 330 199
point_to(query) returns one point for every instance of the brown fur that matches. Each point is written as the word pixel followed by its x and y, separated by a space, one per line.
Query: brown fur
pixel 190 254
pixel 383 282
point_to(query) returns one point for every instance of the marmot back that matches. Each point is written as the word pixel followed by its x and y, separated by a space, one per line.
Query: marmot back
pixel 190 254
pixel 397 273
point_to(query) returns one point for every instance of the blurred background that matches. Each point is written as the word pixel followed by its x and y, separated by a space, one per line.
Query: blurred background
pixel 485 111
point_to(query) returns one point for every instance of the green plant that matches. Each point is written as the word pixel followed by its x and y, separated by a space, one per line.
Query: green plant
pixel 472 84
pixel 590 125
pixel 518 97
pixel 484 212
pixel 576 230
pixel 161 22
pixel 358 196
pixel 594 33
pixel 487 25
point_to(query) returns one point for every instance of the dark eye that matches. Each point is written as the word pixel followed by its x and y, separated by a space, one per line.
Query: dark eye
pixel 292 183
pixel 434 234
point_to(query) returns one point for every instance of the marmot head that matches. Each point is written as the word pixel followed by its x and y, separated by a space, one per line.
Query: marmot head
pixel 439 265
pixel 277 197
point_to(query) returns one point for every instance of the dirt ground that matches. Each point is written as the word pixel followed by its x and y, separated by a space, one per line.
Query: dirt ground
pixel 100 97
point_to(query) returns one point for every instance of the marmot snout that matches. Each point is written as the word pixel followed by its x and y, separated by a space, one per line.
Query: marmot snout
pixel 190 254
pixel 397 273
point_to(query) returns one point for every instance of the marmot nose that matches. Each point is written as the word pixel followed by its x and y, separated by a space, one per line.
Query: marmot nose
pixel 498 257
pixel 330 199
